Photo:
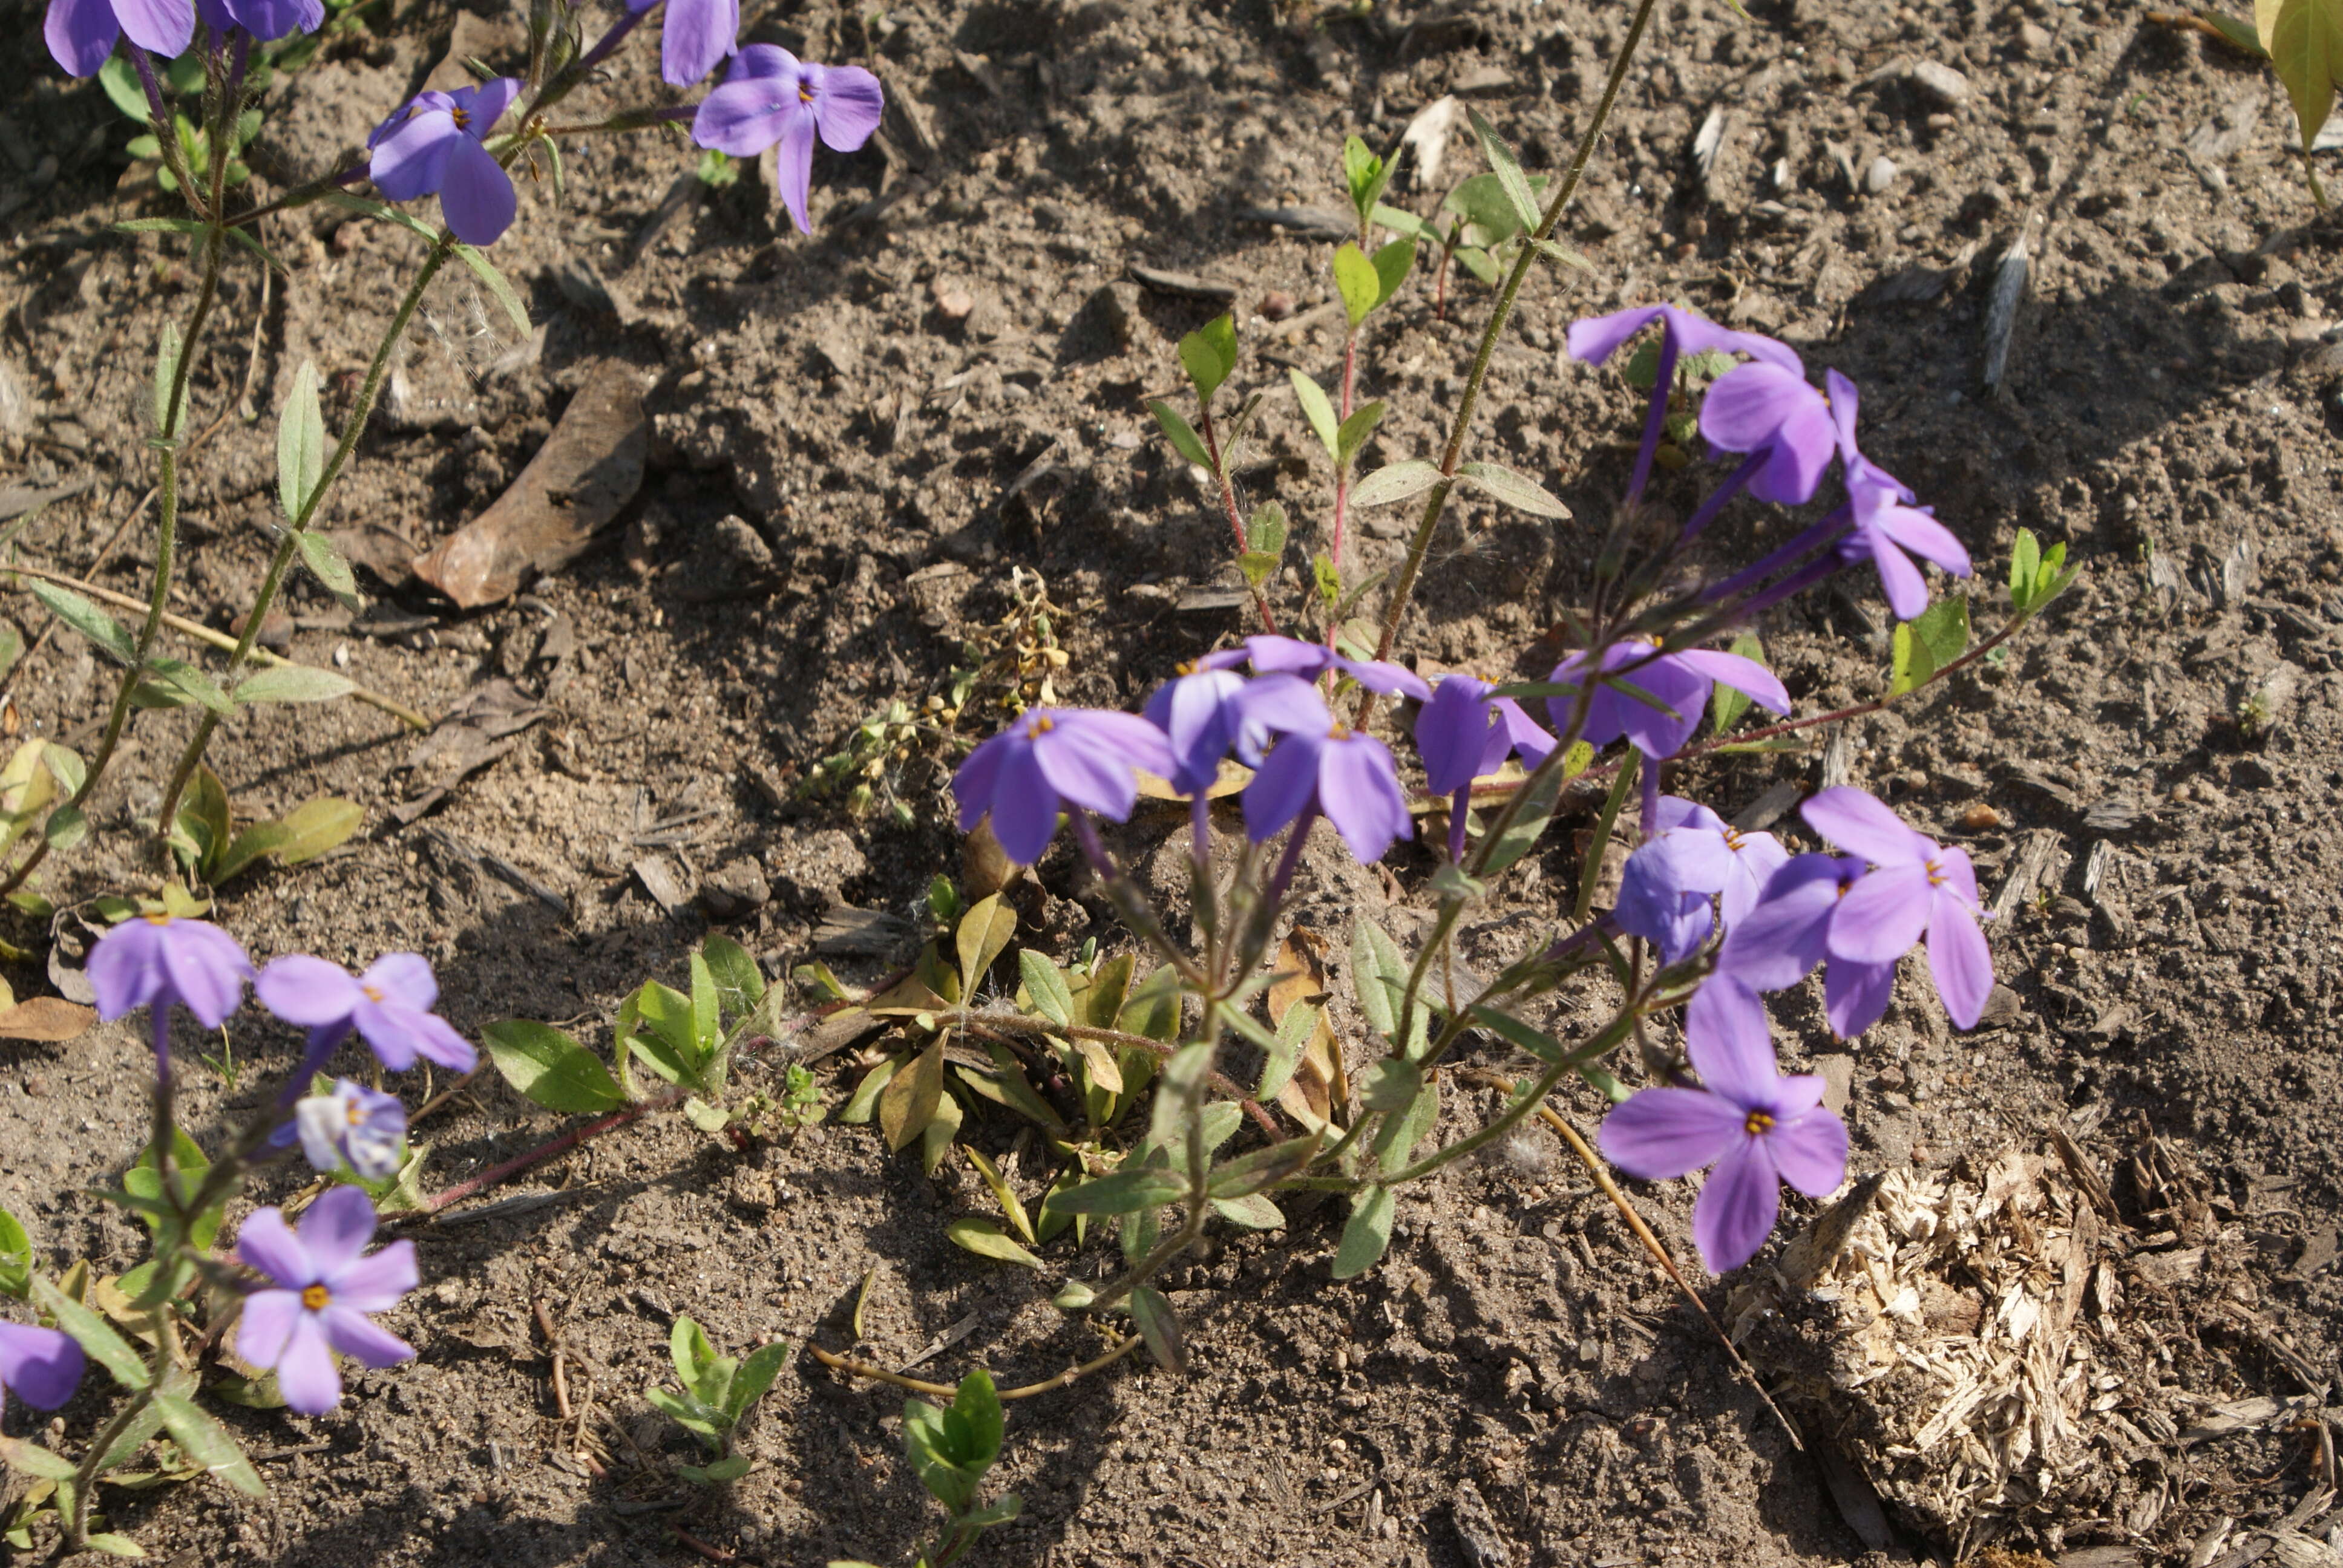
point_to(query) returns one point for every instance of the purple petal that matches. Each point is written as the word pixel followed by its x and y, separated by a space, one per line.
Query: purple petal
pixel 1795 461
pixel 1287 656
pixel 767 60
pixel 746 115
pixel 1597 337
pixel 1777 943
pixel 1855 995
pixel 1660 1134
pixel 307 992
pixel 267 1325
pixel 1199 715
pixel 485 104
pixel 1736 1208
pixel 1958 960
pixel 305 1369
pixel 793 167
pixel 1920 532
pixel 397 1035
pixel 335 1229
pixel 1698 335
pixel 1525 734
pixel 207 969
pixel 266 1242
pixel 1756 858
pixel 375 1285
pixel 477 198
pixel 1900 581
pixel 1452 733
pixel 1384 678
pixel 974 784
pixel 353 1334
pixel 158 26
pixel 80 35
pixel 1959 877
pixel 1746 409
pixel 42 1366
pixel 126 967
pixel 1657 731
pixel 1845 400
pixel 1024 807
pixel 1723 1006
pixel 411 161
pixel 403 979
pixel 1881 915
pixel 848 106
pixel 1283 785
pixel 1087 773
pixel 1358 789
pixel 1675 812
pixel 1809 1151
pixel 1858 823
pixel 695 37
pixel 1746 676
pixel 1692 862
pixel 1285 704
pixel 1652 906
pixel 1735 1058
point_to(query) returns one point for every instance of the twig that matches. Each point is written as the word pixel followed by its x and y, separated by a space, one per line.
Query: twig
pixel 553 1345
pixel 713 1553
pixel 946 1391
pixel 1602 1175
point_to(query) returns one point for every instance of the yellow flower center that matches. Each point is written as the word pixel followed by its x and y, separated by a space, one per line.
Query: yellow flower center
pixel 358 1113
pixel 805 93
pixel 156 920
pixel 463 118
pixel 1042 724
pixel 1185 666
pixel 1758 1124
pixel 1936 877
pixel 316 1298
pixel 372 994
pixel 1732 839
pixel 1340 733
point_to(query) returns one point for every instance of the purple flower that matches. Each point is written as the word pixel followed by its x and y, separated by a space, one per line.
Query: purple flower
pixel 265 19
pixel 1783 424
pixel 1322 766
pixel 42 1366
pixel 1915 885
pixel 695 37
pixel 390 1006
pixel 1886 524
pixel 433 145
pixel 324 1291
pixel 1756 1127
pixel 1595 338
pixel 81 32
pixel 770 96
pixel 1051 756
pixel 1291 656
pixel 1463 734
pixel 354 1128
pixel 1779 942
pixel 1681 681
pixel 1205 713
pixel 155 960
pixel 1710 856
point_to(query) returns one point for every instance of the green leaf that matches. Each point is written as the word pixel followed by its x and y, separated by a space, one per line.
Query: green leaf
pixel 1317 408
pixel 1505 485
pixel 1399 1135
pixel 1396 483
pixel 494 282
pixel 1250 1174
pixel 758 1370
pixel 1536 1041
pixel 1366 176
pixel 1265 530
pixel 1356 280
pixel 1354 432
pixel 984 933
pixel 1052 998
pixel 294 683
pixel 1002 1193
pixel 1209 354
pixel 740 983
pixel 1285 1052
pixel 15 1257
pixel 1725 706
pixel 306 832
pixel 1404 222
pixel 731 1468
pixel 1510 178
pixel 1392 262
pixel 2305 41
pixel 1532 810
pixel 1120 1192
pixel 1181 435
pixel 865 1098
pixel 374 209
pixel 206 1443
pixel 1391 1084
pixel 1151 1309
pixel 87 619
pixel 1553 251
pixel 33 1460
pixel 689 1414
pixel 300 446
pixel 550 1068
pixel 106 1348
pixel 2240 34
pixel 113 1545
pixel 1369 947
pixel 1479 263
pixel 1254 1213
pixel 986 1239
pixel 2025 566
pixel 911 1097
pixel 168 351
pixel 324 561
pixel 161 225
pixel 1482 202
pixel 123 88
pixel 1366 1233
pixel 1926 643
pixel 67 827
pixel 697 1367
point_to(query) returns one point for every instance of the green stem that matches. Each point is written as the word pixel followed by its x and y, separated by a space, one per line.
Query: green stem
pixel 193 754
pixel 1620 1028
pixel 1591 872
pixel 1404 590
pixel 1192 1224
pixel 84 1480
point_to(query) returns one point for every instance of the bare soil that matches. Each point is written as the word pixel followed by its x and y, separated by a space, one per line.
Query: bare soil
pixel 2156 767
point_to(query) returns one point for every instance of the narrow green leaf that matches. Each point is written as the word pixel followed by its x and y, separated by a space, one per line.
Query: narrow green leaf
pixel 206 1443
pixel 294 683
pixel 1180 433
pixel 1396 1139
pixel 123 88
pixel 1002 1193
pixel 1284 1051
pixel 1530 815
pixel 36 1460
pixel 548 1067
pixel 300 445
pixel 1353 434
pixel 1553 251
pixel 494 282
pixel 374 209
pixel 1366 176
pixel 1255 1213
pixel 1536 1041
pixel 1513 490
pixel 1368 945
pixel 983 935
pixel 67 827
pixel 740 983
pixel 1317 408
pixel 1265 530
pixel 87 619
pixel 1250 1174
pixel 1402 221
pixel 864 1101
pixel 1510 178
pixel 1047 987
pixel 1366 1233
pixel 1396 483
pixel 93 1335
pixel 323 559
pixel 1725 705
pixel 1926 643
pixel 1151 1309
pixel 15 1257
pixel 1356 280
pixel 1120 1192
pixel 1209 354
pixel 986 1239
pixel 2024 565
pixel 1391 1085
pixel 113 1545
pixel 167 350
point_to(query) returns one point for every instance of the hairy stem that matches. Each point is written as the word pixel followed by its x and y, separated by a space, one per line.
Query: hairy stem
pixel 1229 499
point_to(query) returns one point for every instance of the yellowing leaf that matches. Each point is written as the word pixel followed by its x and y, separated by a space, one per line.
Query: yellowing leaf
pixel 909 1101
pixel 2305 40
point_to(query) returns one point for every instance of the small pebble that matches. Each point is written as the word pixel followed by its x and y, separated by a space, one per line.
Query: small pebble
pixel 1276 305
pixel 1980 817
pixel 1879 175
pixel 953 302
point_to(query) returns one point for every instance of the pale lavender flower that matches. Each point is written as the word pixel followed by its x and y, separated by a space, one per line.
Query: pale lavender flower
pixel 1051 756
pixel 354 1128
pixel 1320 765
pixel 1886 524
pixel 42 1366
pixel 390 1006
pixel 325 1289
pixel 1782 939
pixel 81 33
pixel 1771 414
pixel 155 962
pixel 433 144
pixel 1679 682
pixel 266 20
pixel 1309 660
pixel 772 99
pixel 1917 886
pixel 1463 734
pixel 696 35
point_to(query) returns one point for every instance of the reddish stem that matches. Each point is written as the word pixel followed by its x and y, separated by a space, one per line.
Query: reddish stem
pixel 1341 471
pixel 1236 518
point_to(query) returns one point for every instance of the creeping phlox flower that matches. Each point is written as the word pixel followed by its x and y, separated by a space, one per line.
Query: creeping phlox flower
pixel 1768 412
pixel 354 1128
pixel 770 97
pixel 1463 734
pixel 1782 939
pixel 42 1366
pixel 1290 655
pixel 266 20
pixel 390 1006
pixel 1693 856
pixel 1206 713
pixel 1679 684
pixel 81 32
pixel 1050 756
pixel 433 144
pixel 155 962
pixel 1596 338
pixel 696 35
pixel 1886 524
pixel 1345 774
pixel 323 1289
pixel 1756 1127
pixel 1915 885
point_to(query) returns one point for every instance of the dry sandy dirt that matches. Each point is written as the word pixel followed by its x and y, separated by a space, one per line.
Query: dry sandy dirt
pixel 836 425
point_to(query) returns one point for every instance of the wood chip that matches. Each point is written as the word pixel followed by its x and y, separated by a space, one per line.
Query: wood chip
pixel 1185 285
pixel 659 878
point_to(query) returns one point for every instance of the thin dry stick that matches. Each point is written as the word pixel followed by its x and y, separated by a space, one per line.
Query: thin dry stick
pixel 201 633
pixel 1602 1175
pixel 946 1391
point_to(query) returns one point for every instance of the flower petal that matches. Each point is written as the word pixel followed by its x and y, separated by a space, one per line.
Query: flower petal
pixel 1283 785
pixel 1918 532
pixel 1358 789
pixel 1024 807
pixel 80 35
pixel 1736 1208
pixel 767 60
pixel 1087 771
pixel 267 1325
pixel 848 106
pixel 1952 863
pixel 1660 1134
pixel 207 969
pixel 1958 960
pixel 163 28
pixel 1715 1009
pixel 1453 731
pixel 403 979
pixel 1881 915
pixel 1597 337
pixel 793 167
pixel 125 967
pixel 1780 941
pixel 402 1032
pixel 1528 737
pixel 363 1340
pixel 978 778
pixel 1809 1151
pixel 335 1229
pixel 1286 704
pixel 1746 675
pixel 1658 728
pixel 1734 1056
pixel 411 160
pixel 43 1365
pixel 487 104
pixel 746 116
pixel 1855 995
pixel 1756 858
pixel 265 1242
pixel 1858 823
pixel 374 1284
pixel 695 37
pixel 1900 582
pixel 1746 408
pixel 477 198
pixel 305 1369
